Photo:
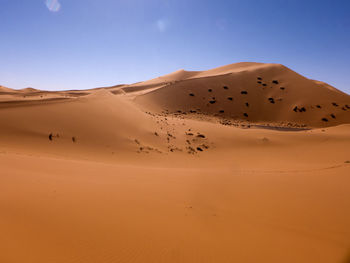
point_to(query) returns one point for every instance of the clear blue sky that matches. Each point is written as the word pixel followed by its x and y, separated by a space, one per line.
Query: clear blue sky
pixel 79 44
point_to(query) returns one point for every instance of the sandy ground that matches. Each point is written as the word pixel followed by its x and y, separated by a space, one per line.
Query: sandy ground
pixel 148 173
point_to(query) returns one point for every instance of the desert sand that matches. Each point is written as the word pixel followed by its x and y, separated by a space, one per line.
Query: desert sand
pixel 249 162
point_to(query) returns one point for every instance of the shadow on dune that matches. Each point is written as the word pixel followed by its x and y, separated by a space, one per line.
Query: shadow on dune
pixel 346 259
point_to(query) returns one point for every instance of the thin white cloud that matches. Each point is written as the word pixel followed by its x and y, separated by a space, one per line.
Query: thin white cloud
pixel 53 5
pixel 162 25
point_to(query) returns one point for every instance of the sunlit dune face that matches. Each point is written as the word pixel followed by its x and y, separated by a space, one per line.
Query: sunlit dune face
pixel 53 5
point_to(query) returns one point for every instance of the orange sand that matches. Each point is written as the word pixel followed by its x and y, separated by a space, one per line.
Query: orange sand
pixel 150 173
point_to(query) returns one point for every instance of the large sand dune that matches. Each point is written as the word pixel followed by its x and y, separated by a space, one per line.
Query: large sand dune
pixel 256 93
pixel 173 170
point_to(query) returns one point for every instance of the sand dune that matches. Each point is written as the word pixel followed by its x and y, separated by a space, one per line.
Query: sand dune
pixel 171 170
pixel 256 93
pixel 5 89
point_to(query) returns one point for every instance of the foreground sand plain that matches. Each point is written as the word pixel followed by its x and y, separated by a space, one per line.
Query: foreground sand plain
pixel 149 173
